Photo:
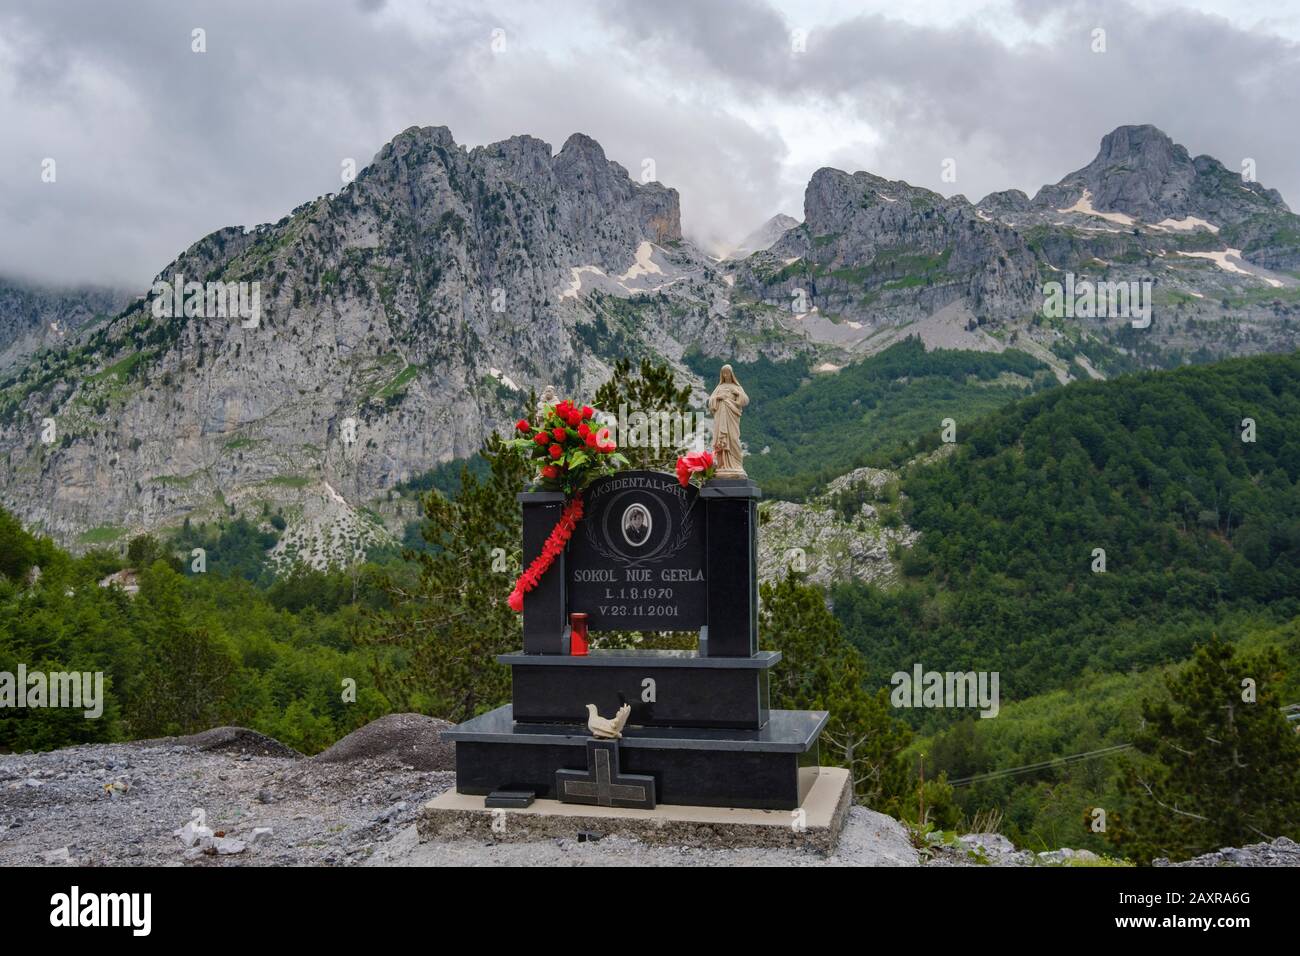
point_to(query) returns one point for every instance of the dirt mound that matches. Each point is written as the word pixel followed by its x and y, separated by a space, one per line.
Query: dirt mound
pixel 227 740
pixel 411 740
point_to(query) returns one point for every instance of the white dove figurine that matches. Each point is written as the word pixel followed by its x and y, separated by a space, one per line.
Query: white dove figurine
pixel 611 729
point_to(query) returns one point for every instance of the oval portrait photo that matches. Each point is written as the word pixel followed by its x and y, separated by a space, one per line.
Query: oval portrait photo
pixel 636 525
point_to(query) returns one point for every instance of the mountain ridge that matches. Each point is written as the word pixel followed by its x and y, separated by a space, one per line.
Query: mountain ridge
pixel 407 316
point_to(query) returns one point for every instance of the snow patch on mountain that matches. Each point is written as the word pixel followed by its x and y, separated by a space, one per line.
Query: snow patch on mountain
pixel 1084 205
pixel 1230 260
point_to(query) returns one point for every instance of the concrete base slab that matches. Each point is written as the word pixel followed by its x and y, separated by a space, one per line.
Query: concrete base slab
pixel 815 825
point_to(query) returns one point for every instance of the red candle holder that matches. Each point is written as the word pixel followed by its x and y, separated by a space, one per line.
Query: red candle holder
pixel 578 634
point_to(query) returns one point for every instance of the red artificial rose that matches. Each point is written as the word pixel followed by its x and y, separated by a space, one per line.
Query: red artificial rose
pixel 556 451
pixel 590 439
pixel 551 472
pixel 584 429
pixel 523 425
pixel 696 461
pixel 559 433
pixel 588 411
pixel 542 438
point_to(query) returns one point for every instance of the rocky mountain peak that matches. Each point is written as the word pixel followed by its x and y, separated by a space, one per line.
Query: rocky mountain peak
pixel 1141 172
pixel 1146 145
pixel 580 145
pixel 399 320
pixel 875 251
pixel 764 236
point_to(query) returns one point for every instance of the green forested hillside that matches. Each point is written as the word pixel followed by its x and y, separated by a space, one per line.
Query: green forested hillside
pixel 1201 534
pixel 1194 523
pixel 189 651
pixel 815 429
pixel 1050 806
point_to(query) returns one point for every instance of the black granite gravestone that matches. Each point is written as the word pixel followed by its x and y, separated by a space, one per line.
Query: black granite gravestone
pixel 648 554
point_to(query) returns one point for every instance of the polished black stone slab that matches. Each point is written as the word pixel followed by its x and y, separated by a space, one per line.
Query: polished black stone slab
pixel 636 560
pixel 545 614
pixel 731 566
pixel 771 769
pixel 730 488
pixel 655 658
pixel 509 799
pixel 786 731
pixel 663 688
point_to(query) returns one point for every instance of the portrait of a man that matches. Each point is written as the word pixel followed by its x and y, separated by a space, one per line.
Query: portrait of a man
pixel 636 525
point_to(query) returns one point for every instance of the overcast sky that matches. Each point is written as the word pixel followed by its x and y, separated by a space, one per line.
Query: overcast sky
pixel 737 102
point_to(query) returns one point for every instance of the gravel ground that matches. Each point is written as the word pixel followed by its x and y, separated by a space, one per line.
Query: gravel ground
pixel 264 804
pixel 120 804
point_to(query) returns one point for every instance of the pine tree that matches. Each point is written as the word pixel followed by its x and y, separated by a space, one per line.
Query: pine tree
pixel 652 391
pixel 820 670
pixel 1222 766
pixel 188 674
pixel 444 631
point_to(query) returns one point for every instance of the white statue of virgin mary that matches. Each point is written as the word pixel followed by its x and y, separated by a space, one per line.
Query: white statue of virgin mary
pixel 726 405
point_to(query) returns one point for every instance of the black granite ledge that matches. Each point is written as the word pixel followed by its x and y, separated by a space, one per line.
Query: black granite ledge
pixel 787 731
pixel 649 658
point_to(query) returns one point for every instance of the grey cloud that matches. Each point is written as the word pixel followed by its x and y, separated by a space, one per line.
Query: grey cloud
pixel 1012 112
pixel 156 146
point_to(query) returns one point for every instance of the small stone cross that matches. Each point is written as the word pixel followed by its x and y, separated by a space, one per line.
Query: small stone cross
pixel 601 784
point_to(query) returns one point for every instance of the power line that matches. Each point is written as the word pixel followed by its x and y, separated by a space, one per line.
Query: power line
pixel 1041 765
pixel 1058 761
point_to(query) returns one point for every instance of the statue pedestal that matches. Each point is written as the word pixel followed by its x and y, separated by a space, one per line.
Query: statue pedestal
pixel 731 566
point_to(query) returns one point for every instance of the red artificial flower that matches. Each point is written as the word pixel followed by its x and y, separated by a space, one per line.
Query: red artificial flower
pixel 696 461
pixel 542 438
pixel 584 429
pixel 590 439
pixel 551 472
pixel 523 425
pixel 588 411
pixel 556 451
pixel 559 433
pixel 554 546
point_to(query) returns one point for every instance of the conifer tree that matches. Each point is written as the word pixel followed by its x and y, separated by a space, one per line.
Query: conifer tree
pixel 652 391
pixel 446 628
pixel 1222 766
pixel 820 670
pixel 188 674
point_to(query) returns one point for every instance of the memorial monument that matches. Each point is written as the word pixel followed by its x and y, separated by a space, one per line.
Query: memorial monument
pixel 640 550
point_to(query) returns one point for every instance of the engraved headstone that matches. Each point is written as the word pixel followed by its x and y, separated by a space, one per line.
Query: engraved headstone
pixel 636 561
